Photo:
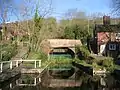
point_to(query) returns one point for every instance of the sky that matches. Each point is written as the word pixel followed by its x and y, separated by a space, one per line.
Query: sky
pixel 60 7
pixel 88 6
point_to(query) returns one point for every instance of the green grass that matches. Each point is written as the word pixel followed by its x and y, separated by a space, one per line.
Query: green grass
pixel 106 63
pixel 55 61
pixel 82 62
pixel 45 63
pixel 37 56
pixel 60 62
pixel 32 64
pixel 55 56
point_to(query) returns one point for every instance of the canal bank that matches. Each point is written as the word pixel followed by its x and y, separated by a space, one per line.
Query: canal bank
pixel 8 76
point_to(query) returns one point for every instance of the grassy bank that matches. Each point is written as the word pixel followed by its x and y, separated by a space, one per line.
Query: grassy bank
pixel 60 62
pixel 8 51
pixel 97 62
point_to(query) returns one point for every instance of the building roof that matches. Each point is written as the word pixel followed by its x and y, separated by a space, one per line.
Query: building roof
pixel 108 28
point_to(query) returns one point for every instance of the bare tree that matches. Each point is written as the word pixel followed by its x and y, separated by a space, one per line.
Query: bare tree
pixel 116 6
pixel 28 12
pixel 25 11
pixel 6 8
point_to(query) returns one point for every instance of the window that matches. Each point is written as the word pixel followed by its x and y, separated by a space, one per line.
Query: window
pixel 112 46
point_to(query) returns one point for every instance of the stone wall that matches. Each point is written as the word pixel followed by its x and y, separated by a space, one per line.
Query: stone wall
pixel 49 44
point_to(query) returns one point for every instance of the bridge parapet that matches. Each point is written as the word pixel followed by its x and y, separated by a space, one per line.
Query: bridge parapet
pixel 49 44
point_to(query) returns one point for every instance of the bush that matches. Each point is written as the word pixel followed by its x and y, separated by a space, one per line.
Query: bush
pixel 82 52
pixel 89 60
pixel 105 62
pixel 9 52
pixel 109 64
pixel 82 62
pixel 37 55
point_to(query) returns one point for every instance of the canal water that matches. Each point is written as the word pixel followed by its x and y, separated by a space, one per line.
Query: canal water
pixel 45 82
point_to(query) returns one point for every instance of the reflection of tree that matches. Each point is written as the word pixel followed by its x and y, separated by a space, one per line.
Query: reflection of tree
pixel 27 79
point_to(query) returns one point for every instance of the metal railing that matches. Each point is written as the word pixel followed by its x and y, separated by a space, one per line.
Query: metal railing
pixel 35 82
pixel 15 63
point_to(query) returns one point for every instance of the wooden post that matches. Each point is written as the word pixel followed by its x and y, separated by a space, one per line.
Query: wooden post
pixel 16 82
pixel 10 85
pixel 11 65
pixel 35 81
pixel 16 63
pixel 39 79
pixel 35 63
pixel 21 60
pixel 39 63
pixel 1 67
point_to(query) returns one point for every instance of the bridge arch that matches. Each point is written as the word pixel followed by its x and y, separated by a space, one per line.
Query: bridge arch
pixel 63 50
pixel 48 45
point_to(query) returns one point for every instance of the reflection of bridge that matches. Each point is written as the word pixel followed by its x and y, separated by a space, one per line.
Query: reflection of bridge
pixel 64 83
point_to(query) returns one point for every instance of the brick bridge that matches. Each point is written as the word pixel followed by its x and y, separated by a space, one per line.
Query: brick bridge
pixel 49 44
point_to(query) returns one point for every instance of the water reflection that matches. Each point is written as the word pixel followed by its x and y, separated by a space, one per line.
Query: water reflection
pixel 28 80
pixel 25 80
pixel 79 81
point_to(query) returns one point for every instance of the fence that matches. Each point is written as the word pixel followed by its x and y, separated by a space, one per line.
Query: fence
pixel 15 63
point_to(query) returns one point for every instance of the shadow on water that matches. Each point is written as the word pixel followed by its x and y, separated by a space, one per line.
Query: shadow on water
pixel 78 81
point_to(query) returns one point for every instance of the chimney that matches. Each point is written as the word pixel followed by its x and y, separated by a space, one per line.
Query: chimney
pixel 106 20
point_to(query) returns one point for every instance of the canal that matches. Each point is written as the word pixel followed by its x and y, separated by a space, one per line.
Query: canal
pixel 78 81
pixel 52 79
